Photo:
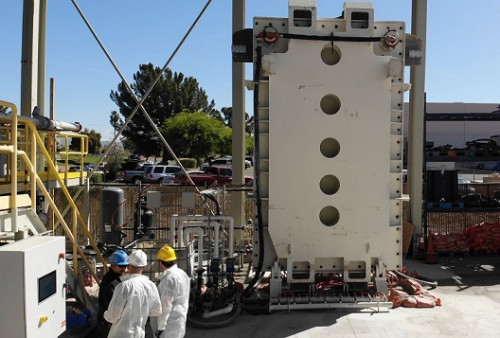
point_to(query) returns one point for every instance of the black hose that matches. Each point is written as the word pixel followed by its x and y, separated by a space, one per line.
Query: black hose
pixel 213 199
pixel 196 320
pixel 331 38
pixel 260 224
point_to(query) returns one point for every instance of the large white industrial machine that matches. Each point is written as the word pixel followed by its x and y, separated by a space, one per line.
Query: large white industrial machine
pixel 329 148
pixel 33 288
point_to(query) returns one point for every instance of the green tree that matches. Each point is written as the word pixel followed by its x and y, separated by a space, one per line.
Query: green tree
pixel 249 144
pixel 226 115
pixel 94 141
pixel 197 135
pixel 113 164
pixel 115 121
pixel 172 94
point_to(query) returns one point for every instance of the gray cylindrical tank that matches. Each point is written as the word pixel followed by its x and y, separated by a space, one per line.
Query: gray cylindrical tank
pixel 148 222
pixel 112 215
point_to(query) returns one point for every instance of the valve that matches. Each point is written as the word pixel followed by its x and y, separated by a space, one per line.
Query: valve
pixel 269 35
pixel 390 40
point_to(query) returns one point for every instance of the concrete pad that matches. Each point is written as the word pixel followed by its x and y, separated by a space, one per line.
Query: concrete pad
pixel 469 288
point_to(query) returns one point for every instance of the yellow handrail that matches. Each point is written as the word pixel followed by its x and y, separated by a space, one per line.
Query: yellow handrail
pixel 58 214
pixel 59 136
pixel 32 133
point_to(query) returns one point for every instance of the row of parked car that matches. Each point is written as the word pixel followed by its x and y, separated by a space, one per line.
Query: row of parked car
pixel 218 171
pixel 87 167
pixel 226 161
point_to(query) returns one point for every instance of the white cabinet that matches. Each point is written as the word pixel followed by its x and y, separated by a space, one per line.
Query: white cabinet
pixel 33 289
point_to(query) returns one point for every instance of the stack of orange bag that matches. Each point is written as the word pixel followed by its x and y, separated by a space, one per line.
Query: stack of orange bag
pixel 409 293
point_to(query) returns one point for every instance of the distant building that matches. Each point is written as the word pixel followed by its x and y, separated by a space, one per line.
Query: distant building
pixel 456 133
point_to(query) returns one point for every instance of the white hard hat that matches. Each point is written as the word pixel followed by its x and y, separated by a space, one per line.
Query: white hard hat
pixel 138 258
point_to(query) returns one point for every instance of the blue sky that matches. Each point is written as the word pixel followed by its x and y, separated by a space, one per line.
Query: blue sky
pixel 461 64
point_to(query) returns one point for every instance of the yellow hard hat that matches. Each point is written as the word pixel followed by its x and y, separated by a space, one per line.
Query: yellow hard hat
pixel 166 254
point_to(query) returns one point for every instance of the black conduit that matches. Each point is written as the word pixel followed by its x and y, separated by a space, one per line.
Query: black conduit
pixel 260 224
pixel 330 38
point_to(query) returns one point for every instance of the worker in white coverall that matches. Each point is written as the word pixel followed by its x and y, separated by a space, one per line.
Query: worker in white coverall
pixel 174 290
pixel 134 300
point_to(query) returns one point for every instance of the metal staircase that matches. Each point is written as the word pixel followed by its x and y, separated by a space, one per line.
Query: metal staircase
pixel 27 171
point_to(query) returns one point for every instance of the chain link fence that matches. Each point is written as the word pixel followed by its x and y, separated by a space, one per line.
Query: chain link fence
pixel 171 204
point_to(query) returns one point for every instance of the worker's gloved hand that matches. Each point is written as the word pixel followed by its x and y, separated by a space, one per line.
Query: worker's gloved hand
pixel 158 333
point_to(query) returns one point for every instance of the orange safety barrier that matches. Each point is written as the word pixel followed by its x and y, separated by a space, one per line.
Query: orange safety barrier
pixel 430 255
pixel 421 247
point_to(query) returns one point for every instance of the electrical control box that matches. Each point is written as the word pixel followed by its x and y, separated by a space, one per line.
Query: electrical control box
pixel 33 291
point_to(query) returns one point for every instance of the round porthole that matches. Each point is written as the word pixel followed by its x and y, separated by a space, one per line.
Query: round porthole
pixel 329 147
pixel 329 184
pixel 329 216
pixel 331 55
pixel 330 104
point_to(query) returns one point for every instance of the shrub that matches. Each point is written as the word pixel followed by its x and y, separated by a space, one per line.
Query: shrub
pixel 96 178
pixel 188 163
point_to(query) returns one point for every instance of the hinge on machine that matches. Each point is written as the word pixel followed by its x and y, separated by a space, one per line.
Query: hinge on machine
pixel 380 278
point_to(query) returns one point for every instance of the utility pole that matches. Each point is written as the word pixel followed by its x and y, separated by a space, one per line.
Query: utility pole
pixel 238 150
pixel 416 121
pixel 33 56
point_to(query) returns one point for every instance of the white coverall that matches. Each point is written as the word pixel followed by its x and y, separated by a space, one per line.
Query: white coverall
pixel 174 290
pixel 134 300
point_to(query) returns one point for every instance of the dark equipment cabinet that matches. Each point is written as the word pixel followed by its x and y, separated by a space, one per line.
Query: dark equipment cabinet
pixel 442 185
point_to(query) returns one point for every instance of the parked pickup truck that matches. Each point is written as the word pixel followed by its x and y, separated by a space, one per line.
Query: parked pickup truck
pixel 209 176
pixel 133 176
